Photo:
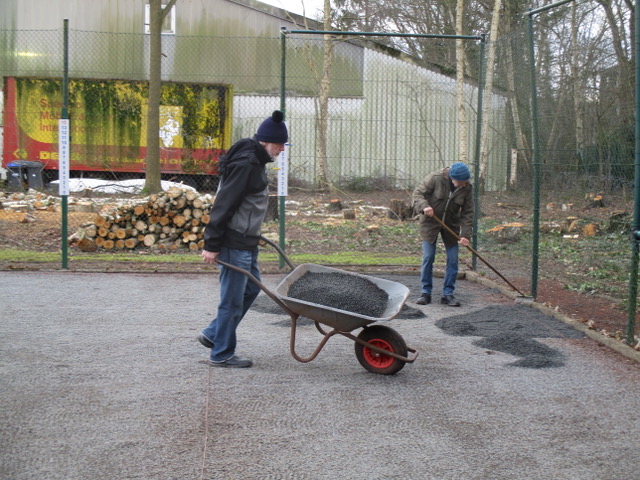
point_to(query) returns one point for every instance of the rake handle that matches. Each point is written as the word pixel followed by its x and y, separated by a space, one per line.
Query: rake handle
pixel 457 237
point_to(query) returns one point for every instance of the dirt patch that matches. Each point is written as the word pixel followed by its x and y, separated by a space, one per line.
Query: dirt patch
pixel 36 231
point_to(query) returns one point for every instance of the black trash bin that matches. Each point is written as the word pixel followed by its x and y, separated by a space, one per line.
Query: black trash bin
pixel 15 177
pixel 25 173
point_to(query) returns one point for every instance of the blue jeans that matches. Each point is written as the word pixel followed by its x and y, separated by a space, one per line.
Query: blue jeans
pixel 237 293
pixel 451 271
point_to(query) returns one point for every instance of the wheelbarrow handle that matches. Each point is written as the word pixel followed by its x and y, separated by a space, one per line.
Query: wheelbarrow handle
pixel 253 278
pixel 279 250
pixel 457 237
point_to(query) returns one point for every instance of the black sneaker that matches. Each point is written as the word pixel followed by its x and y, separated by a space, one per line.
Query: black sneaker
pixel 449 300
pixel 425 299
pixel 204 340
pixel 233 362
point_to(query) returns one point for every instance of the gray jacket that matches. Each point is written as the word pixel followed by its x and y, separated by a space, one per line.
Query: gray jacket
pixel 241 201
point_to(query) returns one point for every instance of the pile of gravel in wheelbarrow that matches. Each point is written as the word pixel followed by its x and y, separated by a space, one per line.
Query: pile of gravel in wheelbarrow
pixel 342 291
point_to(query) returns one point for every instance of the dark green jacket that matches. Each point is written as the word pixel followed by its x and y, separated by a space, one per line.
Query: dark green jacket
pixel 453 207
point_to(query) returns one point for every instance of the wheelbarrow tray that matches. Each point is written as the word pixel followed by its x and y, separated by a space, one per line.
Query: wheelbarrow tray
pixel 336 318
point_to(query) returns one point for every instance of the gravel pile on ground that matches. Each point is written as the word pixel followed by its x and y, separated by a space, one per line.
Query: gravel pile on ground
pixel 512 330
pixel 534 354
pixel 342 291
pixel 497 319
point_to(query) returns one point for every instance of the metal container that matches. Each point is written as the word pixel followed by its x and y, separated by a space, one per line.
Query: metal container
pixel 333 317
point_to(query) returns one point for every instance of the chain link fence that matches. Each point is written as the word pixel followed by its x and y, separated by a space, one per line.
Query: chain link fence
pixel 384 115
pixel 362 116
pixel 387 121
pixel 361 112
pixel 580 180
pixel 585 117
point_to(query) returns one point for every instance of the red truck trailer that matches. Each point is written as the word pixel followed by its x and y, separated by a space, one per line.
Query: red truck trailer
pixel 108 121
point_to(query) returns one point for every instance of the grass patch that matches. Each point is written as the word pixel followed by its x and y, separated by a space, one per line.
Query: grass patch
pixel 12 255
pixel 591 265
pixel 345 258
pixel 338 258
pixel 356 236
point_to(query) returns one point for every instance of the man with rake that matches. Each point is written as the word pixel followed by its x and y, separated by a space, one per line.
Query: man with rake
pixel 446 195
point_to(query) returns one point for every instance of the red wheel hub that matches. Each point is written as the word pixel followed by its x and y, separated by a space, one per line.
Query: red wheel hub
pixel 378 360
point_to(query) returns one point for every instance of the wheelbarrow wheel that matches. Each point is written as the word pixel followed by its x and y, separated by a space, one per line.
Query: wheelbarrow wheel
pixel 387 339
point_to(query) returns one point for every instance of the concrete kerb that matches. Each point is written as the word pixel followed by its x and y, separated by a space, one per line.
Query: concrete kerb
pixel 612 343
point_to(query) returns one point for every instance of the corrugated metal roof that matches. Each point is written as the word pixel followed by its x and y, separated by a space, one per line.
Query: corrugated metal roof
pixel 194 17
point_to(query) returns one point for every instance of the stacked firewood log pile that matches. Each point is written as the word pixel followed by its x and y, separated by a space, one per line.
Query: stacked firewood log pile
pixel 166 221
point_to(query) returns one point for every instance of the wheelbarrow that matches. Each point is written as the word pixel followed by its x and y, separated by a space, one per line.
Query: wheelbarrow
pixel 378 348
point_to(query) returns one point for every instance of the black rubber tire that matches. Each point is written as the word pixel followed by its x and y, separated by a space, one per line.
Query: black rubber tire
pixel 383 337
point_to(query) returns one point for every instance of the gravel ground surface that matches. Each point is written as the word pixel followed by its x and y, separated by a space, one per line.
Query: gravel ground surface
pixel 102 378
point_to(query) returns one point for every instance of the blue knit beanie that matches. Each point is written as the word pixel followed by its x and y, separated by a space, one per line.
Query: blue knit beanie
pixel 273 129
pixel 460 172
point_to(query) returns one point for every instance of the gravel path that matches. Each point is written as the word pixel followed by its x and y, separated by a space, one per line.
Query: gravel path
pixel 102 379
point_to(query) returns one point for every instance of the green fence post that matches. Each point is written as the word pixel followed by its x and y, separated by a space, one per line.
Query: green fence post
pixel 635 244
pixel 283 73
pixel 65 116
pixel 536 145
pixel 476 173
pixel 536 160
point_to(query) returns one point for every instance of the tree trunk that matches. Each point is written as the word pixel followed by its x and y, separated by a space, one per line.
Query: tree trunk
pixel 462 115
pixel 522 145
pixel 488 91
pixel 323 101
pixel 152 162
pixel 578 105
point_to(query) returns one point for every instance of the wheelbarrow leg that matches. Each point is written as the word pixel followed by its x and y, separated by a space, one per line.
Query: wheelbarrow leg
pixel 294 316
pixel 292 341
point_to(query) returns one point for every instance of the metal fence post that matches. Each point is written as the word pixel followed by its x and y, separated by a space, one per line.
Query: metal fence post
pixel 476 174
pixel 283 91
pixel 536 160
pixel 65 116
pixel 635 244
pixel 536 144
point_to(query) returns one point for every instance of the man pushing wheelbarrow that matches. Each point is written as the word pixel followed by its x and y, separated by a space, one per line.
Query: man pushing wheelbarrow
pixel 233 233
